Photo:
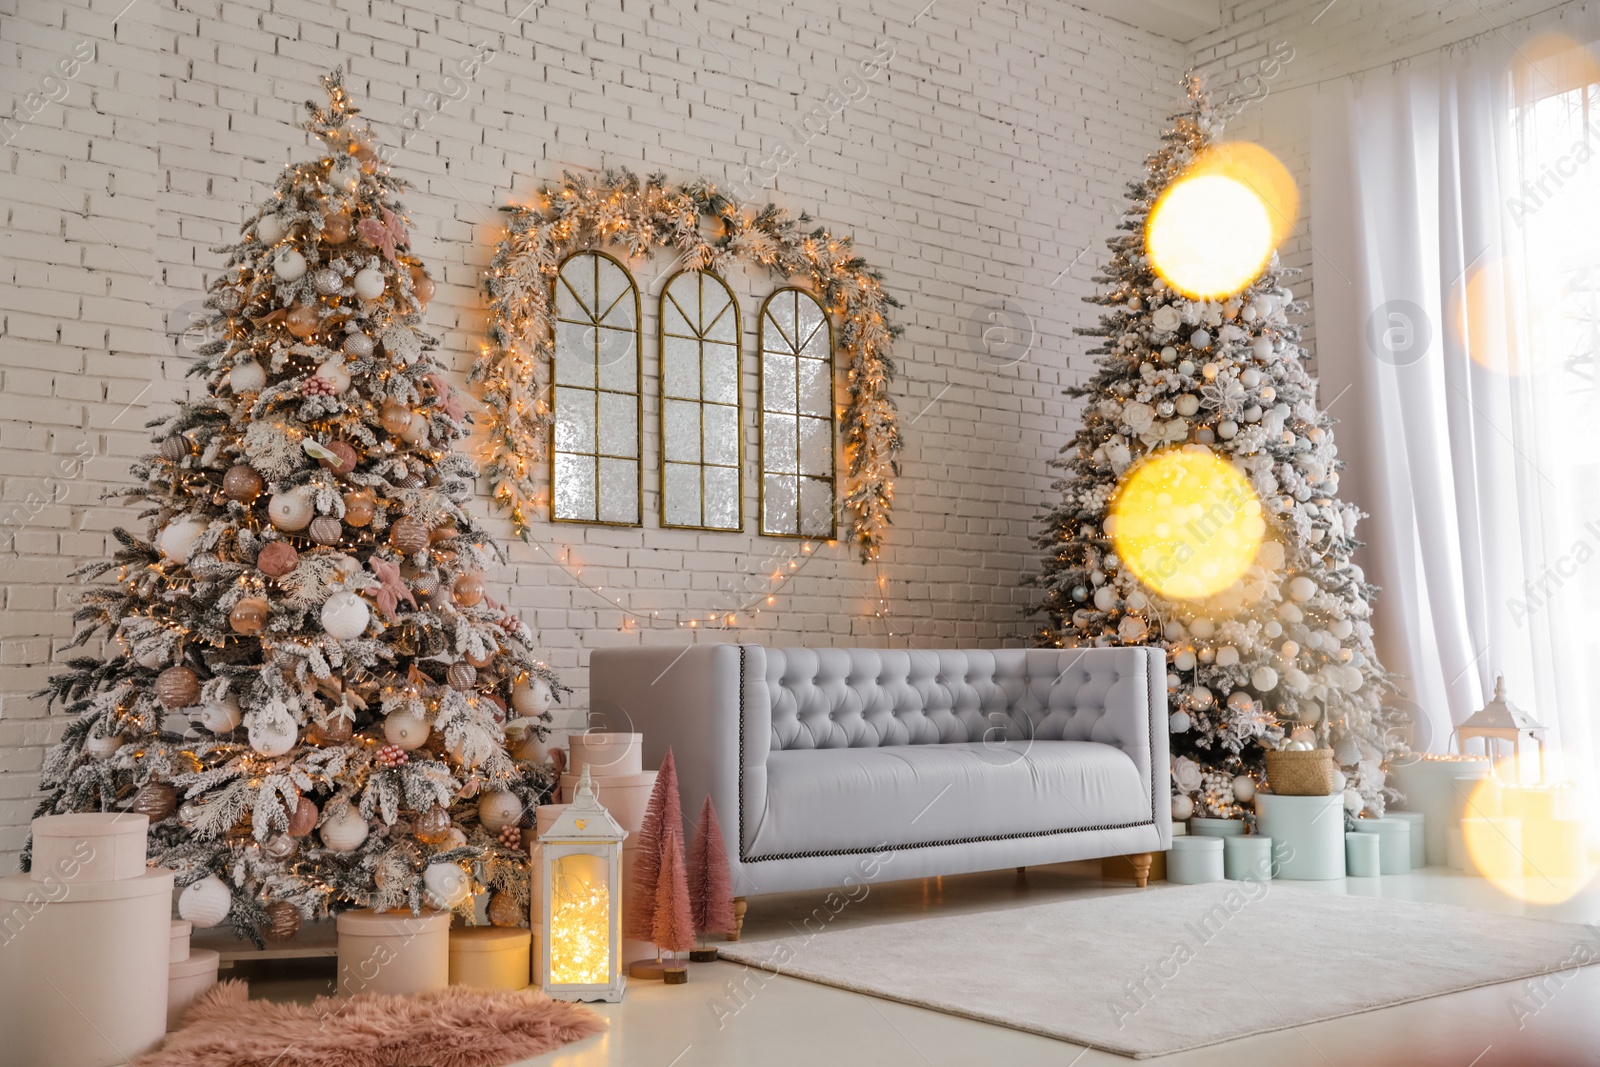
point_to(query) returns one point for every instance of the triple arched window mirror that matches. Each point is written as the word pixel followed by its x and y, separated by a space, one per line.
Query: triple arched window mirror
pixel 596 449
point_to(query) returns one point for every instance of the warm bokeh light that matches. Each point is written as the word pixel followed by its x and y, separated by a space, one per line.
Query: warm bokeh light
pixel 580 922
pixel 1215 228
pixel 1553 62
pixel 1535 842
pixel 1186 522
pixel 1504 321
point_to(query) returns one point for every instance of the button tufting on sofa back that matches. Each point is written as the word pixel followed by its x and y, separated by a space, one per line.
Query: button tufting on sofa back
pixel 867 698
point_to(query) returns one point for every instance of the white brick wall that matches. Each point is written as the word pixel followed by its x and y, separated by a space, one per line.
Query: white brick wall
pixel 989 156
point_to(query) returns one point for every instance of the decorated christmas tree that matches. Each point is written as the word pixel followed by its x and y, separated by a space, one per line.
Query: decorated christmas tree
pixel 303 682
pixel 1280 655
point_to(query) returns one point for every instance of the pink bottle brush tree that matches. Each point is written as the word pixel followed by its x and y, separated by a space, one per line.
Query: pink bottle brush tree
pixel 658 908
pixel 710 882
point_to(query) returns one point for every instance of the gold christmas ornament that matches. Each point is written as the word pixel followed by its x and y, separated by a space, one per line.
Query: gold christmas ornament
pixel 504 910
pixel 277 558
pixel 282 922
pixel 395 416
pixel 280 846
pixel 155 800
pixel 326 530
pixel 177 687
pixel 336 227
pixel 359 506
pixel 422 287
pixel 242 483
pixel 302 321
pixel 408 535
pixel 432 826
pixel 249 616
pixel 461 675
pixel 468 590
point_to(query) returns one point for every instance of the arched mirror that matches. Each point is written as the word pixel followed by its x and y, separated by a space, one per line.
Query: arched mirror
pixel 702 484
pixel 797 436
pixel 594 454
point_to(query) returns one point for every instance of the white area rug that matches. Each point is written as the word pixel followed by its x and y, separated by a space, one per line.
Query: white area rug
pixel 1175 968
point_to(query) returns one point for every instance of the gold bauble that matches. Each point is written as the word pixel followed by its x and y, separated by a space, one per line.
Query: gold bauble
pixel 432 826
pixel 359 505
pixel 282 921
pixel 302 321
pixel 249 616
pixel 242 483
pixel 155 800
pixel 504 910
pixel 408 535
pixel 395 417
pixel 468 590
pixel 177 687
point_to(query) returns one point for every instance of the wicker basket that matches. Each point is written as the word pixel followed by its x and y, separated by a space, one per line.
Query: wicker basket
pixel 1301 773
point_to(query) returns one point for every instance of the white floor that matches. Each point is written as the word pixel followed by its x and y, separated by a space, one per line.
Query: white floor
pixel 776 1021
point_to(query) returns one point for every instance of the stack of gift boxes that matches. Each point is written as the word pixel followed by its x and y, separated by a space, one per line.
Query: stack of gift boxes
pixel 94 971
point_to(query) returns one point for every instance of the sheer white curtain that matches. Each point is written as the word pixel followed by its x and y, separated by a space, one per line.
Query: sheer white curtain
pixel 1457 297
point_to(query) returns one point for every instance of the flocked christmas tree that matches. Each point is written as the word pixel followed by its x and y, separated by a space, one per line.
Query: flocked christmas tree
pixel 305 685
pixel 1284 654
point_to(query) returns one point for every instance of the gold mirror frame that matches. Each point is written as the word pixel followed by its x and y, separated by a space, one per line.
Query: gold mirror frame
pixel 557 323
pixel 699 327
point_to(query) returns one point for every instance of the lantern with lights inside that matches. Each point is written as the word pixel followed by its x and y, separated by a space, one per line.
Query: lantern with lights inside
pixel 580 865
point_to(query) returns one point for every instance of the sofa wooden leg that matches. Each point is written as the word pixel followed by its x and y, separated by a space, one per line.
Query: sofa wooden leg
pixel 739 906
pixel 1140 862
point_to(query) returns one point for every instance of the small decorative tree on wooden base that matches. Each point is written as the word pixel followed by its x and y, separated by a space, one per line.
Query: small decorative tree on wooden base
pixel 710 883
pixel 657 908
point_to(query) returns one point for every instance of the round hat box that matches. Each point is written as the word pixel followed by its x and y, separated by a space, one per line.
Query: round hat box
pixel 105 942
pixel 89 846
pixel 187 979
pixel 393 952
pixel 178 943
pixel 605 753
pixel 490 957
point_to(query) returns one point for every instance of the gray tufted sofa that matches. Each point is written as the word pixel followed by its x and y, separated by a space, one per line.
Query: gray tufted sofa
pixel 835 766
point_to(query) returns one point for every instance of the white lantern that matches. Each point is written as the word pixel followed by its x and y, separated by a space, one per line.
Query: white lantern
pixel 580 874
pixel 1501 720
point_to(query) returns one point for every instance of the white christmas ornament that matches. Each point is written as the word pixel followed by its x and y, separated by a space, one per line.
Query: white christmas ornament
pixel 1105 598
pixel 1178 722
pixel 1203 628
pixel 272 736
pixel 269 230
pixel 290 265
pixel 1340 782
pixel 346 177
pixel 1201 697
pixel 220 716
pixel 1184 660
pixel 1341 628
pixel 178 539
pixel 453 838
pixel 246 377
pixel 99 746
pixel 532 698
pixel 1302 588
pixel 1244 789
pixel 345 831
pixel 1187 404
pixel 206 902
pixel 405 730
pixel 1296 680
pixel 1182 807
pixel 345 615
pixel 497 809
pixel 334 371
pixel 446 884
pixel 1353 802
pixel 291 509
pixel 369 283
pixel 1227 656
pixel 1265 679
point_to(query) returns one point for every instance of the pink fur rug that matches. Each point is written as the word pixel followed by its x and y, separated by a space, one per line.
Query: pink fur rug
pixel 453 1027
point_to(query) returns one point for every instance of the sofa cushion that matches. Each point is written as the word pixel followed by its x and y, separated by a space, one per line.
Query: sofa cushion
pixel 825 698
pixel 906 795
